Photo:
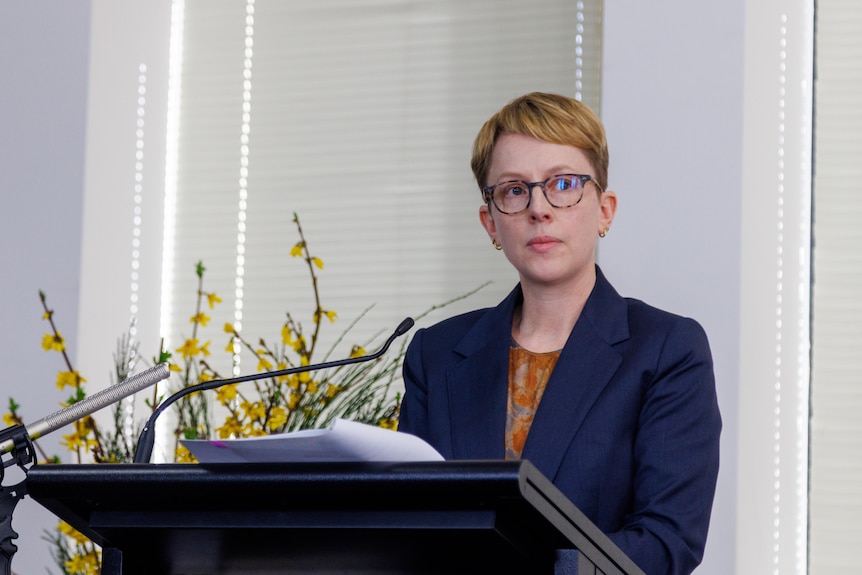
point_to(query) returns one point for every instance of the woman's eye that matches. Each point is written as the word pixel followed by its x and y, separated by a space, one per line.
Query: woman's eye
pixel 562 184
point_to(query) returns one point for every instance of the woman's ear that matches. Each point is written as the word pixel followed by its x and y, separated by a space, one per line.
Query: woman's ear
pixel 607 209
pixel 487 221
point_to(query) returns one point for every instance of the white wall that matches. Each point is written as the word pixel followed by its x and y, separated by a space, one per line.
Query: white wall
pixel 672 105
pixel 44 52
pixel 674 102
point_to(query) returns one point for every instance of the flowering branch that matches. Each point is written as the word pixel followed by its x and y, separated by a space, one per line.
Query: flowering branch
pixel 362 391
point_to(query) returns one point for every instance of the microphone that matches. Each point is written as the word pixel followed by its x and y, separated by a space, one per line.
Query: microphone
pixel 146 441
pixel 91 403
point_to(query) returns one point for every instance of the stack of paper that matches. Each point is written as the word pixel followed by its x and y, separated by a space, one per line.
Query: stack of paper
pixel 344 441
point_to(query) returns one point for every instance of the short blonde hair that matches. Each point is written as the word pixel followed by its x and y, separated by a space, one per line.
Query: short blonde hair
pixel 548 117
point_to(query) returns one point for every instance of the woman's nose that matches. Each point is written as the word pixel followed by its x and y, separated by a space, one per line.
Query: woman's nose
pixel 539 205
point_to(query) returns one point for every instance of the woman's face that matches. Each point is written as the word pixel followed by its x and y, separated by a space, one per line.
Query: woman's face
pixel 548 246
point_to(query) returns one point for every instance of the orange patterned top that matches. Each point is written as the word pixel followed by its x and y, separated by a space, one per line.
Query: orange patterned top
pixel 528 374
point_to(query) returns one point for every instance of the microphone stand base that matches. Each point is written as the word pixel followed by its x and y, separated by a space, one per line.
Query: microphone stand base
pixel 23 452
pixel 9 498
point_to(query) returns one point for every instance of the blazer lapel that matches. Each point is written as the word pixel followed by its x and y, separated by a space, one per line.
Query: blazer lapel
pixel 586 365
pixel 478 385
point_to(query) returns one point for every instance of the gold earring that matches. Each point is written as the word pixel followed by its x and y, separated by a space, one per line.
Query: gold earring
pixel 496 244
pixel 603 233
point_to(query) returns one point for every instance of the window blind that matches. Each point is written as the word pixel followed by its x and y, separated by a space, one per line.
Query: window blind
pixel 358 117
pixel 836 393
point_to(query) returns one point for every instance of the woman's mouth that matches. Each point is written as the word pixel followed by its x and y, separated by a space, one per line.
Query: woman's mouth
pixel 542 243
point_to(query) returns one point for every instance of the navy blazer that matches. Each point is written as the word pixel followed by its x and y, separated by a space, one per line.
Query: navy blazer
pixel 628 427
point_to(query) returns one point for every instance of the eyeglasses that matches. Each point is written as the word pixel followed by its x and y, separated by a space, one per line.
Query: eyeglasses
pixel 561 191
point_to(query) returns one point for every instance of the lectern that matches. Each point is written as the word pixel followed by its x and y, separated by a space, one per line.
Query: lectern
pixel 452 517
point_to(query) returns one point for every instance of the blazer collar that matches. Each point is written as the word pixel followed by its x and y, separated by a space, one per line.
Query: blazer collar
pixel 478 386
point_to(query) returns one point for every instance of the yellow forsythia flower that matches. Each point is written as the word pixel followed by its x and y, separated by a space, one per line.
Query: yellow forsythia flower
pixel 9 419
pixel 174 367
pixel 80 438
pixel 293 381
pixel 53 342
pixel 254 410
pixel 251 431
pixel 183 455
pixel 286 336
pixel 304 376
pixel 330 315
pixel 69 379
pixel 299 343
pixel 230 428
pixel 72 533
pixel 296 250
pixel 86 564
pixel 263 364
pixel 189 349
pixel 229 328
pixel 357 351
pixel 73 442
pixel 318 262
pixel 226 393
pixel 202 319
pixel 389 424
pixel 281 367
pixel 332 390
pixel 293 400
pixel 277 418
pixel 213 299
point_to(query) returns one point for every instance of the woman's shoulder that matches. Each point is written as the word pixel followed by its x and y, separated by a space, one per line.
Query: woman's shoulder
pixel 643 312
pixel 652 325
pixel 621 317
pixel 456 324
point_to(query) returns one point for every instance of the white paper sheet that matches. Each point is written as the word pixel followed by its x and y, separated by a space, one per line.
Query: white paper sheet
pixel 344 441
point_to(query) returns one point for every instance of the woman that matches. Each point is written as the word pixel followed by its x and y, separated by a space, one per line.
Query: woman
pixel 612 399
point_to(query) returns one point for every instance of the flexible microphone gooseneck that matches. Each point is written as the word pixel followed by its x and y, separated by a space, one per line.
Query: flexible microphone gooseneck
pixel 91 403
pixel 146 441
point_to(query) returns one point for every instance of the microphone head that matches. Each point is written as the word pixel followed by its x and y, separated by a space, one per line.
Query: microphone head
pixel 404 326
